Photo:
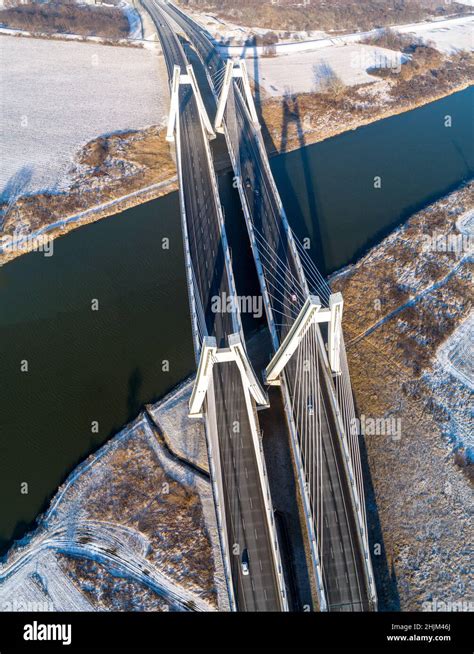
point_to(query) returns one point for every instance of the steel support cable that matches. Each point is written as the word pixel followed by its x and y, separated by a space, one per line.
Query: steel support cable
pixel 353 551
pixel 274 290
pixel 315 392
pixel 277 272
pixel 320 287
pixel 350 437
pixel 320 460
pixel 307 381
pixel 276 210
pixel 310 263
pixel 345 400
pixel 274 271
pixel 350 409
pixel 281 282
pixel 285 315
pixel 271 251
pixel 358 462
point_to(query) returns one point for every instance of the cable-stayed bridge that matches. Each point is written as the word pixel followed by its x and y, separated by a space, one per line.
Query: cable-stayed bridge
pixel 309 362
pixel 226 390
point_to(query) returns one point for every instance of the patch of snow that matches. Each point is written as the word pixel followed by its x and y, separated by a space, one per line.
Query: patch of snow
pixel 134 20
pixel 58 95
pixel 457 354
pixel 465 222
pixel 305 72
pixel 448 36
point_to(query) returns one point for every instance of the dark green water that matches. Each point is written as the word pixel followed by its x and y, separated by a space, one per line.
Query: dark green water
pixel 86 366
pixel 328 189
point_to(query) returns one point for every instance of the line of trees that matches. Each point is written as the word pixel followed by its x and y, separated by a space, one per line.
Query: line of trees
pixel 326 14
pixel 67 17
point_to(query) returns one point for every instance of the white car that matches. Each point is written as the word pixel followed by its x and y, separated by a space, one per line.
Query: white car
pixel 245 563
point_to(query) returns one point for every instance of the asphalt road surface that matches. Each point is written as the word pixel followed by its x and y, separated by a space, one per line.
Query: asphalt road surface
pixel 245 511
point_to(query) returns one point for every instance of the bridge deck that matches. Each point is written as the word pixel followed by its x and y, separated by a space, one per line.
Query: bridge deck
pixel 344 575
pixel 245 512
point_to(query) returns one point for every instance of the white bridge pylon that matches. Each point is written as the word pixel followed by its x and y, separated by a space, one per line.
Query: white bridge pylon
pixel 189 78
pixel 311 312
pixel 210 355
pixel 235 68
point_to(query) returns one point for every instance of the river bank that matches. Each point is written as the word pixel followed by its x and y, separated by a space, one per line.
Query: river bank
pixel 111 174
pixel 407 304
pixel 300 119
pixel 132 528
pixel 120 171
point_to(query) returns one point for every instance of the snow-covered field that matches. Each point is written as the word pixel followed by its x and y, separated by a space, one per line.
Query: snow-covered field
pixel 304 72
pixel 56 96
pixel 172 548
pixel 301 66
pixel 447 36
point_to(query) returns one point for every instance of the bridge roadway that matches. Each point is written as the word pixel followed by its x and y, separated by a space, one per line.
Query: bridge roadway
pixel 246 522
pixel 343 565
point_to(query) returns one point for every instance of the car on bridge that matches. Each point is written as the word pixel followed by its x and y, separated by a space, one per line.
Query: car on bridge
pixel 245 562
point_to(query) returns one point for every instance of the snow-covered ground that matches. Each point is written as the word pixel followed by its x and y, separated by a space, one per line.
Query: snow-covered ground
pixel 225 31
pixel 134 20
pixel 56 96
pixel 457 354
pixel 447 36
pixel 305 72
pixel 452 379
pixel 172 549
pixel 300 66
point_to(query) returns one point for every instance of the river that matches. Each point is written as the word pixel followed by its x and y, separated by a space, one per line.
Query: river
pixel 103 325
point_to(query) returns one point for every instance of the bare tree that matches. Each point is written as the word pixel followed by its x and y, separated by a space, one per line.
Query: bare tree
pixel 327 81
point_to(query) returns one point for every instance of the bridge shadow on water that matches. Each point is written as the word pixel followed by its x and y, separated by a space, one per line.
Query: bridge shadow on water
pixel 250 47
pixel 385 578
pixel 291 115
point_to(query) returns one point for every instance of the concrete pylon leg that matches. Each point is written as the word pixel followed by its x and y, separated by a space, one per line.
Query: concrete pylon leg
pixel 249 378
pixel 203 377
pixel 248 94
pixel 179 79
pixel 310 312
pixel 336 304
pixel 229 68
pixel 200 103
pixel 235 69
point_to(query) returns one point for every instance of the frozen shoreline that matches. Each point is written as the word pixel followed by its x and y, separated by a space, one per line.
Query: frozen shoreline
pixel 73 526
